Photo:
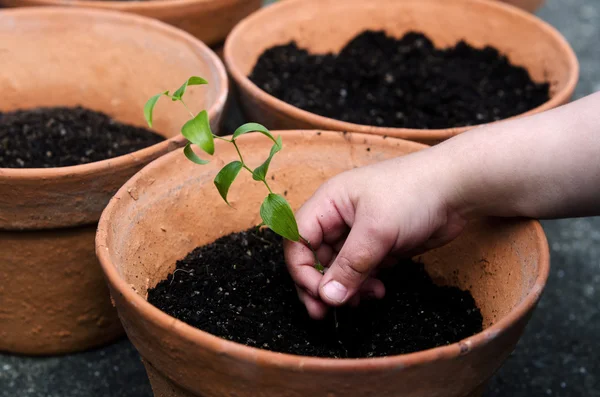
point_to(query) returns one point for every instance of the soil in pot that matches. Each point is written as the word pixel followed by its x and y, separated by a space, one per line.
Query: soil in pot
pixel 238 288
pixel 60 137
pixel 404 83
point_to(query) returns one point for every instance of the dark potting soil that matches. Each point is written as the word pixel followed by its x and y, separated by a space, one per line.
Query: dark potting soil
pixel 406 83
pixel 60 137
pixel 238 288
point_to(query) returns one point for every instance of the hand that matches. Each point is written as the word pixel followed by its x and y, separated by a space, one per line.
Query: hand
pixel 365 218
pixel 543 166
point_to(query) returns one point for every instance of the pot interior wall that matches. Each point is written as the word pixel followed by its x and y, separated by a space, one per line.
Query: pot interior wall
pixel 101 61
pixel 315 25
pixel 172 207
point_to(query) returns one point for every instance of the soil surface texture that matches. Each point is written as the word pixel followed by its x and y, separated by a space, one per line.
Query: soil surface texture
pixel 238 288
pixel 60 137
pixel 382 81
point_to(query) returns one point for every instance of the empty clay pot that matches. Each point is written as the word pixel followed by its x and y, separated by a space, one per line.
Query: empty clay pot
pixel 315 25
pixel 54 298
pixel 504 263
pixel 208 20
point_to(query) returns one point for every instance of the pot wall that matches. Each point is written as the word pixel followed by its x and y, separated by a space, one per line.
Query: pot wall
pixel 54 296
pixel 504 263
pixel 208 20
pixel 314 24
pixel 52 293
pixel 529 5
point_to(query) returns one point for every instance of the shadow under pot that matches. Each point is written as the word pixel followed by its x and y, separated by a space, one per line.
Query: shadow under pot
pixel 69 138
pixel 142 246
pixel 421 70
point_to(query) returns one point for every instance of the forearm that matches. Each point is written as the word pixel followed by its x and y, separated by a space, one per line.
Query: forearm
pixel 544 166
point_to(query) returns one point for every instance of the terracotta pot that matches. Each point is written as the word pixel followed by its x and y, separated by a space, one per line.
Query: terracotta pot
pixel 505 264
pixel 54 298
pixel 529 5
pixel 315 24
pixel 208 20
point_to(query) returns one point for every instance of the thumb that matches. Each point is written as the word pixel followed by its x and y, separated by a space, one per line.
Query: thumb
pixel 362 252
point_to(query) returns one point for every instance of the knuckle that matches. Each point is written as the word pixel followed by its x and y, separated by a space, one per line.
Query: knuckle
pixel 353 270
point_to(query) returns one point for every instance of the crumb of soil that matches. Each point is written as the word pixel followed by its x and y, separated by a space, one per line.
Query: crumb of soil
pixel 238 288
pixel 405 83
pixel 60 137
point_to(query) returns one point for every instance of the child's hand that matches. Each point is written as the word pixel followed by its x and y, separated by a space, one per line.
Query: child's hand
pixel 543 166
pixel 361 219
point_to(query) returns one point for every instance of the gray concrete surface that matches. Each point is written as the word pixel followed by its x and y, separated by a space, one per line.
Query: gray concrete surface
pixel 554 358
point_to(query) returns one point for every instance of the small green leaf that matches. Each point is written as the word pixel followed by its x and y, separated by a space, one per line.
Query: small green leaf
pixel 194 80
pixel 189 153
pixel 149 107
pixel 225 178
pixel 277 214
pixel 260 173
pixel 253 127
pixel 197 131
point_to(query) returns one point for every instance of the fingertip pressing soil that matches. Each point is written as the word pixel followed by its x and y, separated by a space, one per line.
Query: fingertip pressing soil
pixel 404 83
pixel 61 136
pixel 238 288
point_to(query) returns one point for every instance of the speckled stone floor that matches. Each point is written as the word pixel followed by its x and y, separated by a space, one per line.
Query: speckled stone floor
pixel 558 356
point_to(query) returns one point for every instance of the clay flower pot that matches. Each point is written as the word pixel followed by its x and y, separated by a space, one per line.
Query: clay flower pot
pixel 505 263
pixel 54 298
pixel 208 20
pixel 315 25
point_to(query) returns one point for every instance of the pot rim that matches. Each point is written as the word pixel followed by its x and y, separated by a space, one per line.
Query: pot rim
pixel 285 108
pixel 154 5
pixel 197 46
pixel 275 359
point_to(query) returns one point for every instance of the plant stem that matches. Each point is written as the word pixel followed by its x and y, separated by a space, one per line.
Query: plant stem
pixel 267 185
pixel 184 105
pixel 221 138
pixel 317 264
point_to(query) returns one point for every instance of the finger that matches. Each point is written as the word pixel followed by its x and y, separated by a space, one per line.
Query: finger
pixel 315 308
pixel 372 288
pixel 364 249
pixel 307 278
pixel 318 216
pixel 325 254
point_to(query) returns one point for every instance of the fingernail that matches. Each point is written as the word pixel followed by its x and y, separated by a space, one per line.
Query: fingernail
pixel 335 291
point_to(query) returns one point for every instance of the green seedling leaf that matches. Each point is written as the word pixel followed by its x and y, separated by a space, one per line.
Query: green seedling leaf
pixel 260 173
pixel 149 107
pixel 189 153
pixel 277 214
pixel 225 178
pixel 194 80
pixel 197 131
pixel 253 127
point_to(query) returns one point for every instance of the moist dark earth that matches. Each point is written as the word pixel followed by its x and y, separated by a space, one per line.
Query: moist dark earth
pixel 61 136
pixel 238 288
pixel 406 83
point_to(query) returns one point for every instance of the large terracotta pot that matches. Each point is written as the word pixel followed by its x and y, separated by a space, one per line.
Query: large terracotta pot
pixel 52 292
pixel 327 25
pixel 208 20
pixel 505 263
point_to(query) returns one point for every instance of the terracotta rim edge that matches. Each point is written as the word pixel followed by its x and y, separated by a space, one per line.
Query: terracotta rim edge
pixel 282 107
pixel 201 49
pixel 130 6
pixel 252 354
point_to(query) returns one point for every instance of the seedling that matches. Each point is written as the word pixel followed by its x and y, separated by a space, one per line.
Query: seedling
pixel 275 211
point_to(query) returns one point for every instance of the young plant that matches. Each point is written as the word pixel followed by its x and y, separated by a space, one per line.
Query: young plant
pixel 275 211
